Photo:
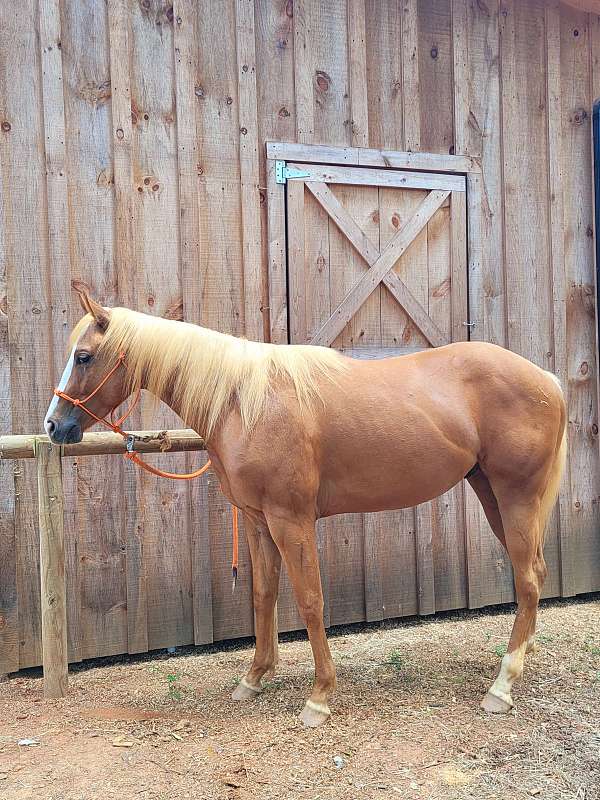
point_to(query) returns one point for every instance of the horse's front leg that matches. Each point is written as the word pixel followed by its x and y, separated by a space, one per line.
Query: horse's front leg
pixel 296 539
pixel 266 566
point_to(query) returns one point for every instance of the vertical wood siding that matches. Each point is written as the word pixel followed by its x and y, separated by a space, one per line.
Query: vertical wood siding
pixel 132 148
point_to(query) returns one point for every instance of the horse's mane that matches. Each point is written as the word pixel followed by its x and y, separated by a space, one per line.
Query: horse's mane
pixel 205 371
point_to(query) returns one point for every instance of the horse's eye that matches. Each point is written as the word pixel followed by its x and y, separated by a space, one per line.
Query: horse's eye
pixel 83 358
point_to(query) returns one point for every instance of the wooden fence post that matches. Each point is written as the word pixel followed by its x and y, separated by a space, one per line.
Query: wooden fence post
pixel 52 569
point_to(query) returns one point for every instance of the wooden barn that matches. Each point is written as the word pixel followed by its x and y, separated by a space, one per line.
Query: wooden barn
pixel 255 158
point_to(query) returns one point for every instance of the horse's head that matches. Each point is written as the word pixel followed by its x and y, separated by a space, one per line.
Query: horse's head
pixel 86 369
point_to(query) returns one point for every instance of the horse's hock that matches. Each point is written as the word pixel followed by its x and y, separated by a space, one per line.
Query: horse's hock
pixel 375 177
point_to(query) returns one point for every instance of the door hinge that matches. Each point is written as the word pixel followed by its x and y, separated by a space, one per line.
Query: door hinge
pixel 283 172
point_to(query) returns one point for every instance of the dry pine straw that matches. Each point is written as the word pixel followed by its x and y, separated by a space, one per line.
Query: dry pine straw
pixel 406 720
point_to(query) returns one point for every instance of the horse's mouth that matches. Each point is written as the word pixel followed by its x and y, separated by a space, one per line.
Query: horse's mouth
pixel 67 431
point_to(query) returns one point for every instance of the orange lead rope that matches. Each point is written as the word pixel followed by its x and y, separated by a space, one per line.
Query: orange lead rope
pixel 131 455
pixel 234 557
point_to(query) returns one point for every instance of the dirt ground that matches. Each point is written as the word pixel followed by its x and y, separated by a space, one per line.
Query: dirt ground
pixel 406 721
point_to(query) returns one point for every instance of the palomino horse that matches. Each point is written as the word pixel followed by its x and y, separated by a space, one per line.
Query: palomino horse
pixel 280 425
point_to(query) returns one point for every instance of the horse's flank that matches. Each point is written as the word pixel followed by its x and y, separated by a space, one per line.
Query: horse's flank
pixel 202 371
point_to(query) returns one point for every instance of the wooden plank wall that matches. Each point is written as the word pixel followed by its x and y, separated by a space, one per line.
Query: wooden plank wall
pixel 132 157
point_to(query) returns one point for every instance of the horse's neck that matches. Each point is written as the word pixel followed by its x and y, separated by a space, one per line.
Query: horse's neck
pixel 166 395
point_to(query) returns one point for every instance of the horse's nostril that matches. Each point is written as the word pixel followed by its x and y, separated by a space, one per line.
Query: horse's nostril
pixel 50 427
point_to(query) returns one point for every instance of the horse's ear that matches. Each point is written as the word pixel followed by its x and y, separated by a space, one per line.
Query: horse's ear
pixel 90 306
pixel 175 311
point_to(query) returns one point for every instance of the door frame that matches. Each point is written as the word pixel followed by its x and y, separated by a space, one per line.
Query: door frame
pixel 293 156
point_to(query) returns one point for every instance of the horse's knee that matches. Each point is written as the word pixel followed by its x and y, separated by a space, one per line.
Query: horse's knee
pixel 264 600
pixel 528 592
pixel 310 607
pixel 541 570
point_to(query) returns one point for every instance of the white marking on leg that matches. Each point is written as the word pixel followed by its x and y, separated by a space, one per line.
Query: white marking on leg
pixel 532 645
pixel 510 669
pixel 62 385
pixel 248 685
pixel 321 708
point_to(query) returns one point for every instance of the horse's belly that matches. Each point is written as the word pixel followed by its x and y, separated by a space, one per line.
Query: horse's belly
pixel 379 492
pixel 392 465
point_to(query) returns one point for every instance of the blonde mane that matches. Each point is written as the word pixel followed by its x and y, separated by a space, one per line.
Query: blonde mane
pixel 204 372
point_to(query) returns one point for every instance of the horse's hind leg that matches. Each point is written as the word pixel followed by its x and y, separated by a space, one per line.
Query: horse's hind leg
pixel 266 566
pixel 523 532
pixel 482 488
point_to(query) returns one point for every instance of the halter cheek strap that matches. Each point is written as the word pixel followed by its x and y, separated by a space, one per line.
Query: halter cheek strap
pixel 131 455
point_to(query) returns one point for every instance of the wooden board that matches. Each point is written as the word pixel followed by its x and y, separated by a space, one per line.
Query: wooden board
pixel 9 612
pixel 435 76
pixel 321 77
pixel 100 581
pixel 27 293
pixel 581 561
pixel 164 529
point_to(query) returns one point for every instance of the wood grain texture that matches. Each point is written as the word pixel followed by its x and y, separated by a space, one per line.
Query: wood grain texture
pixel 560 573
pixel 362 244
pixel 9 612
pixel 486 141
pixel 164 530
pixel 357 73
pixel 321 72
pixel 361 290
pixel 358 176
pixel 100 547
pixel 26 247
pixel 53 106
pixel 274 30
pixel 383 30
pixel 412 91
pixel 127 277
pixel 52 570
pixel 188 96
pixel 435 76
pixel 580 570
pixel 461 80
pixel 249 171
pixel 371 157
pixel 278 299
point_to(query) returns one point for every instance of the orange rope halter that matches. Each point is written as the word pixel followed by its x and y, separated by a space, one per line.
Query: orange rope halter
pixel 131 455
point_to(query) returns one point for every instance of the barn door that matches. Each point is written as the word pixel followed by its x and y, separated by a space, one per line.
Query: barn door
pixel 377 266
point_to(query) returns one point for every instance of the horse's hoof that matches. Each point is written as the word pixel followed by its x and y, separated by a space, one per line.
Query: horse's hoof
pixel 495 705
pixel 245 691
pixel 314 714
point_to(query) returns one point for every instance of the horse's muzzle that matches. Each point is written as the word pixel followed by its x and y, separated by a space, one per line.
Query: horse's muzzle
pixel 64 431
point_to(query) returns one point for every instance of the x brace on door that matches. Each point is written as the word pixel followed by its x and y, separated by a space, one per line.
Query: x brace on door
pixel 380 265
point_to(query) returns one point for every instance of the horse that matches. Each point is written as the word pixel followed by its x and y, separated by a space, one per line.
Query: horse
pixel 280 423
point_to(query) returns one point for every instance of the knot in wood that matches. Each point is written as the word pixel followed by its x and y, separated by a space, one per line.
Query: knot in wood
pixel 322 80
pixel 580 116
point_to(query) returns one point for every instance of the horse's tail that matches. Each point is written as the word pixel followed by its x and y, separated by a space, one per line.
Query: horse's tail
pixel 558 466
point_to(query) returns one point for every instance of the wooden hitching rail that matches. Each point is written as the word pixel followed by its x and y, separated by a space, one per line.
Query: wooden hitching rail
pixel 50 509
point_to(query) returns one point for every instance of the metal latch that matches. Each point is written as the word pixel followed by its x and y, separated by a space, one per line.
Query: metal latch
pixel 283 172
